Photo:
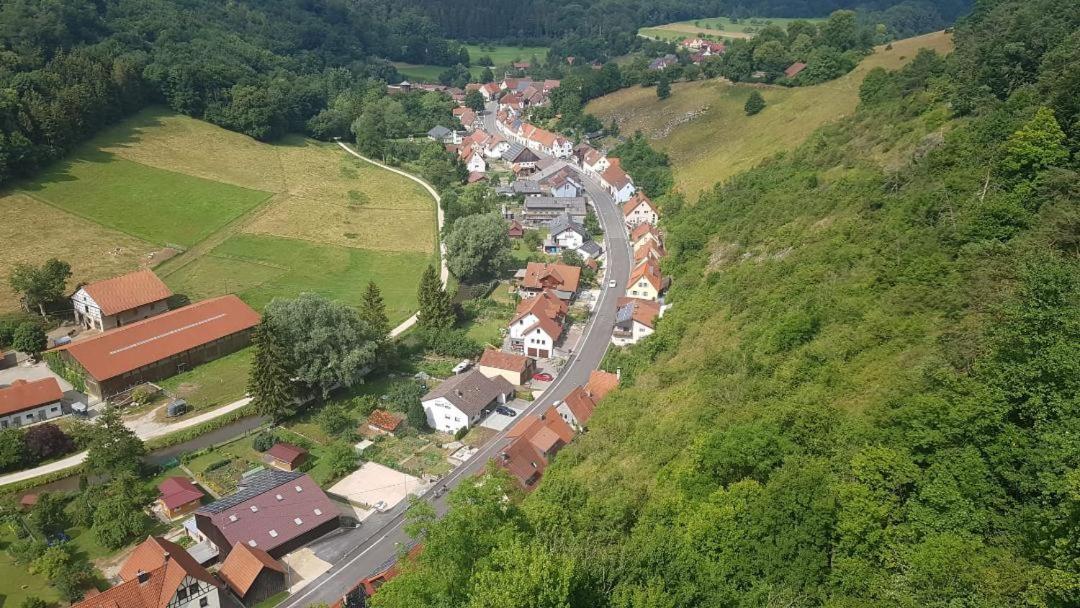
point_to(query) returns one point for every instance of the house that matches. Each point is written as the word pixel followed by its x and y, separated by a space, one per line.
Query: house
pixel 649 251
pixel 538 277
pixel 160 574
pixel 496 146
pixel 537 324
pixel 521 159
pixel 578 406
pixel 462 400
pixel 617 182
pixel 285 456
pixel 252 574
pixel 120 300
pixel 476 177
pixel 646 282
pixel 595 162
pixel 387 571
pixel 634 319
pixel 640 210
pixel 26 402
pixel 540 210
pixel 526 187
pixel 516 369
pixel 515 230
pixel 178 496
pixel 702 46
pixel 511 102
pixel 565 233
pixel 547 142
pixel 643 234
pixel 490 91
pixel 551 84
pixel 161 346
pixel 794 69
pixel 467 117
pixel 384 422
pixel 534 442
pixel 276 511
pixel 590 250
pixel 403 87
pixel 662 63
pixel 474 160
pixel 441 134
pixel 562 184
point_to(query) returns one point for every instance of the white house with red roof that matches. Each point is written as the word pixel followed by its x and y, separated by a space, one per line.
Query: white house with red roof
pixel 646 282
pixel 617 182
pixel 537 325
pixel 120 300
pixel 474 160
pixel 635 319
pixel 640 210
pixel 26 402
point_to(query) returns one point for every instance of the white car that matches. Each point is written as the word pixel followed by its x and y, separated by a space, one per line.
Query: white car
pixel 611 283
pixel 380 506
pixel 462 367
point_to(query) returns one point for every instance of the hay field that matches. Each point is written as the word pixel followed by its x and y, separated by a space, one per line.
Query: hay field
pixel 718 26
pixel 703 128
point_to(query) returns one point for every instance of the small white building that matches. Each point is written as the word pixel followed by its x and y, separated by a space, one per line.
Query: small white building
pixel 24 403
pixel 635 319
pixel 640 210
pixel 463 400
pixel 475 162
pixel 120 300
pixel 618 183
pixel 565 233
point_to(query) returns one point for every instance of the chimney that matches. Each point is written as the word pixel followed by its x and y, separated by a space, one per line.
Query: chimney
pixel 618 373
pixel 165 557
pixel 142 576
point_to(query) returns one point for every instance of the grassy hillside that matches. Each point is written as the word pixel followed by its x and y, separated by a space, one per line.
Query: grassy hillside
pixel 704 129
pixel 716 26
pixel 501 55
pixel 162 179
pixel 865 392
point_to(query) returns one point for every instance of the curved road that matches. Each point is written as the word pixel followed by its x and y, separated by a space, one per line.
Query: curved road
pixel 376 542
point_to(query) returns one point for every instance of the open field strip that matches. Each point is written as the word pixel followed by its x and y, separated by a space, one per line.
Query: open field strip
pixel 704 129
pixel 500 55
pixel 718 26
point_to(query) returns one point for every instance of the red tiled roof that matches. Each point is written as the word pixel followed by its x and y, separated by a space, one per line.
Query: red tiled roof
pixel 23 395
pixel 644 311
pixel 243 566
pixel 544 305
pixel 476 176
pixel 287 452
pixel 178 491
pixel 133 346
pixel 566 277
pixel 165 566
pixel 794 69
pixel 615 176
pixel 535 440
pixel 641 230
pixel 128 291
pixel 503 360
pixel 385 420
pixel 581 404
pixel 551 327
pixel 633 203
pixel 649 251
pixel 601 383
pixel 649 271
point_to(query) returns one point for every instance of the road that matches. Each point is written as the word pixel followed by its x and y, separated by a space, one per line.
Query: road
pixel 377 540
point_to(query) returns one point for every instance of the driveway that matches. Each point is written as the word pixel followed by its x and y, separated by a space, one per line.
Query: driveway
pixel 497 422
pixel 373 483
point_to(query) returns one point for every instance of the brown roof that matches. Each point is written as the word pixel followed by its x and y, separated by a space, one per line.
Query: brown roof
pixel 642 230
pixel 649 271
pixel 639 198
pixel 133 346
pixel 562 276
pixel 165 566
pixel 243 566
pixel 287 452
pixel 544 305
pixel 536 439
pixel 385 420
pixel 615 176
pixel 470 392
pixel 642 311
pixel 23 395
pixel 601 383
pixel 503 360
pixel 794 69
pixel 126 292
pixel 581 404
pixel 649 250
pixel 178 491
pixel 551 327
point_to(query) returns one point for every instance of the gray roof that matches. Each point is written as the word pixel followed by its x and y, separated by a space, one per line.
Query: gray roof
pixel 591 248
pixel 515 150
pixel 574 205
pixel 562 223
pixel 526 186
pixel 624 313
pixel 439 132
pixel 470 392
pixel 252 486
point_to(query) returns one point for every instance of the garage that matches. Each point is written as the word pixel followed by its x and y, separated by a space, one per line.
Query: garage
pixel 539 353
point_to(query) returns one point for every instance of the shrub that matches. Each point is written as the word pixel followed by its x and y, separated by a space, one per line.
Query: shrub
pixel 33 602
pixel 45 441
pixel 217 464
pixel 453 343
pixel 461 433
pixel 143 394
pixel 263 441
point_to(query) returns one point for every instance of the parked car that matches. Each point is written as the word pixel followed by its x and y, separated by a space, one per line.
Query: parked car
pixel 505 411
pixel 380 506
pixel 461 367
pixel 612 284
pixel 543 377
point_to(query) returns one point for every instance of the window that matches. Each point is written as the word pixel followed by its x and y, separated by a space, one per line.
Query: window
pixel 232 517
pixel 273 533
pixel 318 511
pixel 204 602
pixel 193 589
pixel 298 521
pixel 182 594
pixel 254 509
pixel 252 543
pixel 278 496
pixel 299 489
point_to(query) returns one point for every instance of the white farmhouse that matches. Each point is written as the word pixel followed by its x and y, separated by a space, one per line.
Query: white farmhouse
pixel 564 234
pixel 461 401
pixel 640 210
pixel 120 300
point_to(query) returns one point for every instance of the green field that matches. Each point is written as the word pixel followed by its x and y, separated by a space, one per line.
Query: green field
pixel 721 27
pixel 215 383
pixel 260 267
pixel 159 206
pixel 428 73
pixel 501 55
pixel 709 137
pixel 18 583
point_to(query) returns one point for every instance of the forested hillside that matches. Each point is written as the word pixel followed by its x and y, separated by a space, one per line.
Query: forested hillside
pixel 867 392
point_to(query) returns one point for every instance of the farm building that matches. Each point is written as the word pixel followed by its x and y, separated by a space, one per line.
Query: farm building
pixel 29 402
pixel 276 511
pixel 178 496
pixel 252 574
pixel 161 346
pixel 120 300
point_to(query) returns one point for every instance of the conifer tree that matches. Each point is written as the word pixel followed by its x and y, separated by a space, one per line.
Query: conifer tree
pixel 436 310
pixel 373 312
pixel 269 382
pixel 754 104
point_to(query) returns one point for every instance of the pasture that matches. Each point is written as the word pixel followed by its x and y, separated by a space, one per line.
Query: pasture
pixel 721 27
pixel 704 129
pixel 501 55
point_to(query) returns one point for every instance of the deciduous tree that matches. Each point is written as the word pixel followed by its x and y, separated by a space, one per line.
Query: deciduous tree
pixel 30 338
pixel 478 246
pixel 40 285
pixel 113 449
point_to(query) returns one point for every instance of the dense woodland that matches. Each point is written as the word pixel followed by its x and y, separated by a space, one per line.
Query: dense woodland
pixel 867 391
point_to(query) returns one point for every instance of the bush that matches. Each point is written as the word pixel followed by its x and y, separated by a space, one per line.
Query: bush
pixel 34 602
pixel 452 343
pixel 45 441
pixel 334 420
pixel 461 433
pixel 263 441
pixel 365 404
pixel 143 394
pixel 217 464
pixel 7 333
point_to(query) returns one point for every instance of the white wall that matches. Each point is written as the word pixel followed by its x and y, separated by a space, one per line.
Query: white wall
pixel 445 416
pixel 37 414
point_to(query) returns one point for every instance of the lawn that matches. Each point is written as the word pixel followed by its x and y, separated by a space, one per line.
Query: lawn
pixel 273 600
pixel 215 383
pixel 502 55
pixel 261 267
pixel 155 205
pixel 704 129
pixel 20 584
pixel 718 26
pixel 418 72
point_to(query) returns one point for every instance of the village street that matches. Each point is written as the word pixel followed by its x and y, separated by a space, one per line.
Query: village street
pixel 376 542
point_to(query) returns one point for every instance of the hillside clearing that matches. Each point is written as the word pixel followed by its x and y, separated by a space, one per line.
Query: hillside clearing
pixel 704 129
pixel 718 26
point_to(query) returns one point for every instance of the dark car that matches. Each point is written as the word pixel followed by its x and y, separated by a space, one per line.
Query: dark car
pixel 505 411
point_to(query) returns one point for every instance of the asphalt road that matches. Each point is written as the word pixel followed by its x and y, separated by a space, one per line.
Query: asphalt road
pixel 375 543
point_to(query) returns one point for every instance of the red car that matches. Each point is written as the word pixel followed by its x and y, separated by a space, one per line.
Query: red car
pixel 543 377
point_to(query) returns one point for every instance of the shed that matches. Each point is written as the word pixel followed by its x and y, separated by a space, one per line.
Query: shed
pixel 252 574
pixel 286 456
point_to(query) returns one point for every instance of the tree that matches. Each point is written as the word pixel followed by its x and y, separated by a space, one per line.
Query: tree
pixel 326 343
pixel 840 31
pixel 373 311
pixel 754 104
pixel 46 440
pixel 30 338
pixel 436 309
pixel 113 449
pixel 119 517
pixel 48 515
pixel 33 601
pixel 1036 146
pixel 663 87
pixel 7 332
pixel 416 416
pixel 40 286
pixel 478 246
pixel 572 258
pixel 487 76
pixel 474 101
pixel 334 420
pixel 269 382
pixel 341 459
pixel 12 448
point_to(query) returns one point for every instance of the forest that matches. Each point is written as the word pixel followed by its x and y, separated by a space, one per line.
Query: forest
pixel 866 391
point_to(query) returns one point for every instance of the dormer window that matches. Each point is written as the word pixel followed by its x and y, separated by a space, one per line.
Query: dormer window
pixel 252 543
pixel 232 517
pixel 279 497
pixel 318 511
pixel 254 509
pixel 298 521
pixel 299 489
pixel 273 533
